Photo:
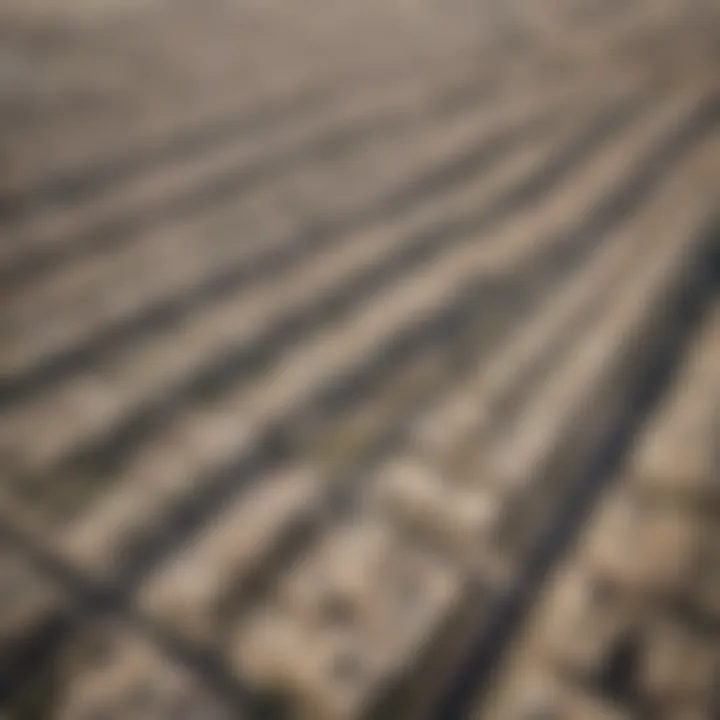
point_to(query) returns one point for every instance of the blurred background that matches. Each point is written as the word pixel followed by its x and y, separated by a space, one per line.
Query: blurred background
pixel 359 359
